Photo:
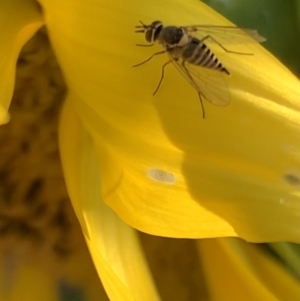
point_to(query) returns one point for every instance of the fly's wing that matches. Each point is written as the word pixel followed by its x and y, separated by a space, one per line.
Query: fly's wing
pixel 225 34
pixel 208 83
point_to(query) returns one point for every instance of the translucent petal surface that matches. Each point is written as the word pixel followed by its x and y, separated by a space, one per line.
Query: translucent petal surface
pixel 19 20
pixel 236 270
pixel 113 244
pixel 164 169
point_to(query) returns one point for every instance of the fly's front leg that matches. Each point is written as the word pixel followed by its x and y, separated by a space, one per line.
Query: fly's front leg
pixel 144 45
pixel 150 58
pixel 229 51
pixel 162 76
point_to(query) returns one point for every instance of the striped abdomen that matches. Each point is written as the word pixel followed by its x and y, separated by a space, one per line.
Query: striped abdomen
pixel 197 53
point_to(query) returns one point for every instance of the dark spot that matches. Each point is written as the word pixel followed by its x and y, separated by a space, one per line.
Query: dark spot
pixel 60 218
pixel 50 114
pixel 24 146
pixel 4 225
pixel 35 100
pixel 8 192
pixel 22 61
pixel 61 248
pixel 34 129
pixel 69 291
pixel 39 211
pixel 52 82
pixel 33 191
pixel 292 179
pixel 14 226
pixel 24 230
pixel 3 176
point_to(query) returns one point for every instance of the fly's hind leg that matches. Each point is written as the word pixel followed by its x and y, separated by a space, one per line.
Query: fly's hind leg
pixel 195 86
pixel 229 51
pixel 201 103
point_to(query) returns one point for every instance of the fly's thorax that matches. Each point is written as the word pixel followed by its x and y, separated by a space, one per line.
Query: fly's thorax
pixel 184 40
pixel 152 31
pixel 173 36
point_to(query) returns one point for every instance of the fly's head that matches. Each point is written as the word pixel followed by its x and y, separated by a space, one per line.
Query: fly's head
pixel 151 31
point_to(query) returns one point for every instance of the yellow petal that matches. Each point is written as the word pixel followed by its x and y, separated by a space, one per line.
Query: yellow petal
pixel 113 245
pixel 20 19
pixel 236 270
pixel 163 168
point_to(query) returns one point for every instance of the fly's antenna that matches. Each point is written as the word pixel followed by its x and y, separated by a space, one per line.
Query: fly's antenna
pixel 143 27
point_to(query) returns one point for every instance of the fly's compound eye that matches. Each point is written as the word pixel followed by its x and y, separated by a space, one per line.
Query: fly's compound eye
pixel 149 35
pixel 152 32
pixel 156 24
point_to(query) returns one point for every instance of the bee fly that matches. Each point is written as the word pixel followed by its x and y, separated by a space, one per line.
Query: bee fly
pixel 186 48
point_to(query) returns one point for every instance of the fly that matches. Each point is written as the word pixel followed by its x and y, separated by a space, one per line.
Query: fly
pixel 187 50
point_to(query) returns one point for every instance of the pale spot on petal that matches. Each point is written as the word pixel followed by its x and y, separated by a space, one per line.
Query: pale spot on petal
pixel 162 176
